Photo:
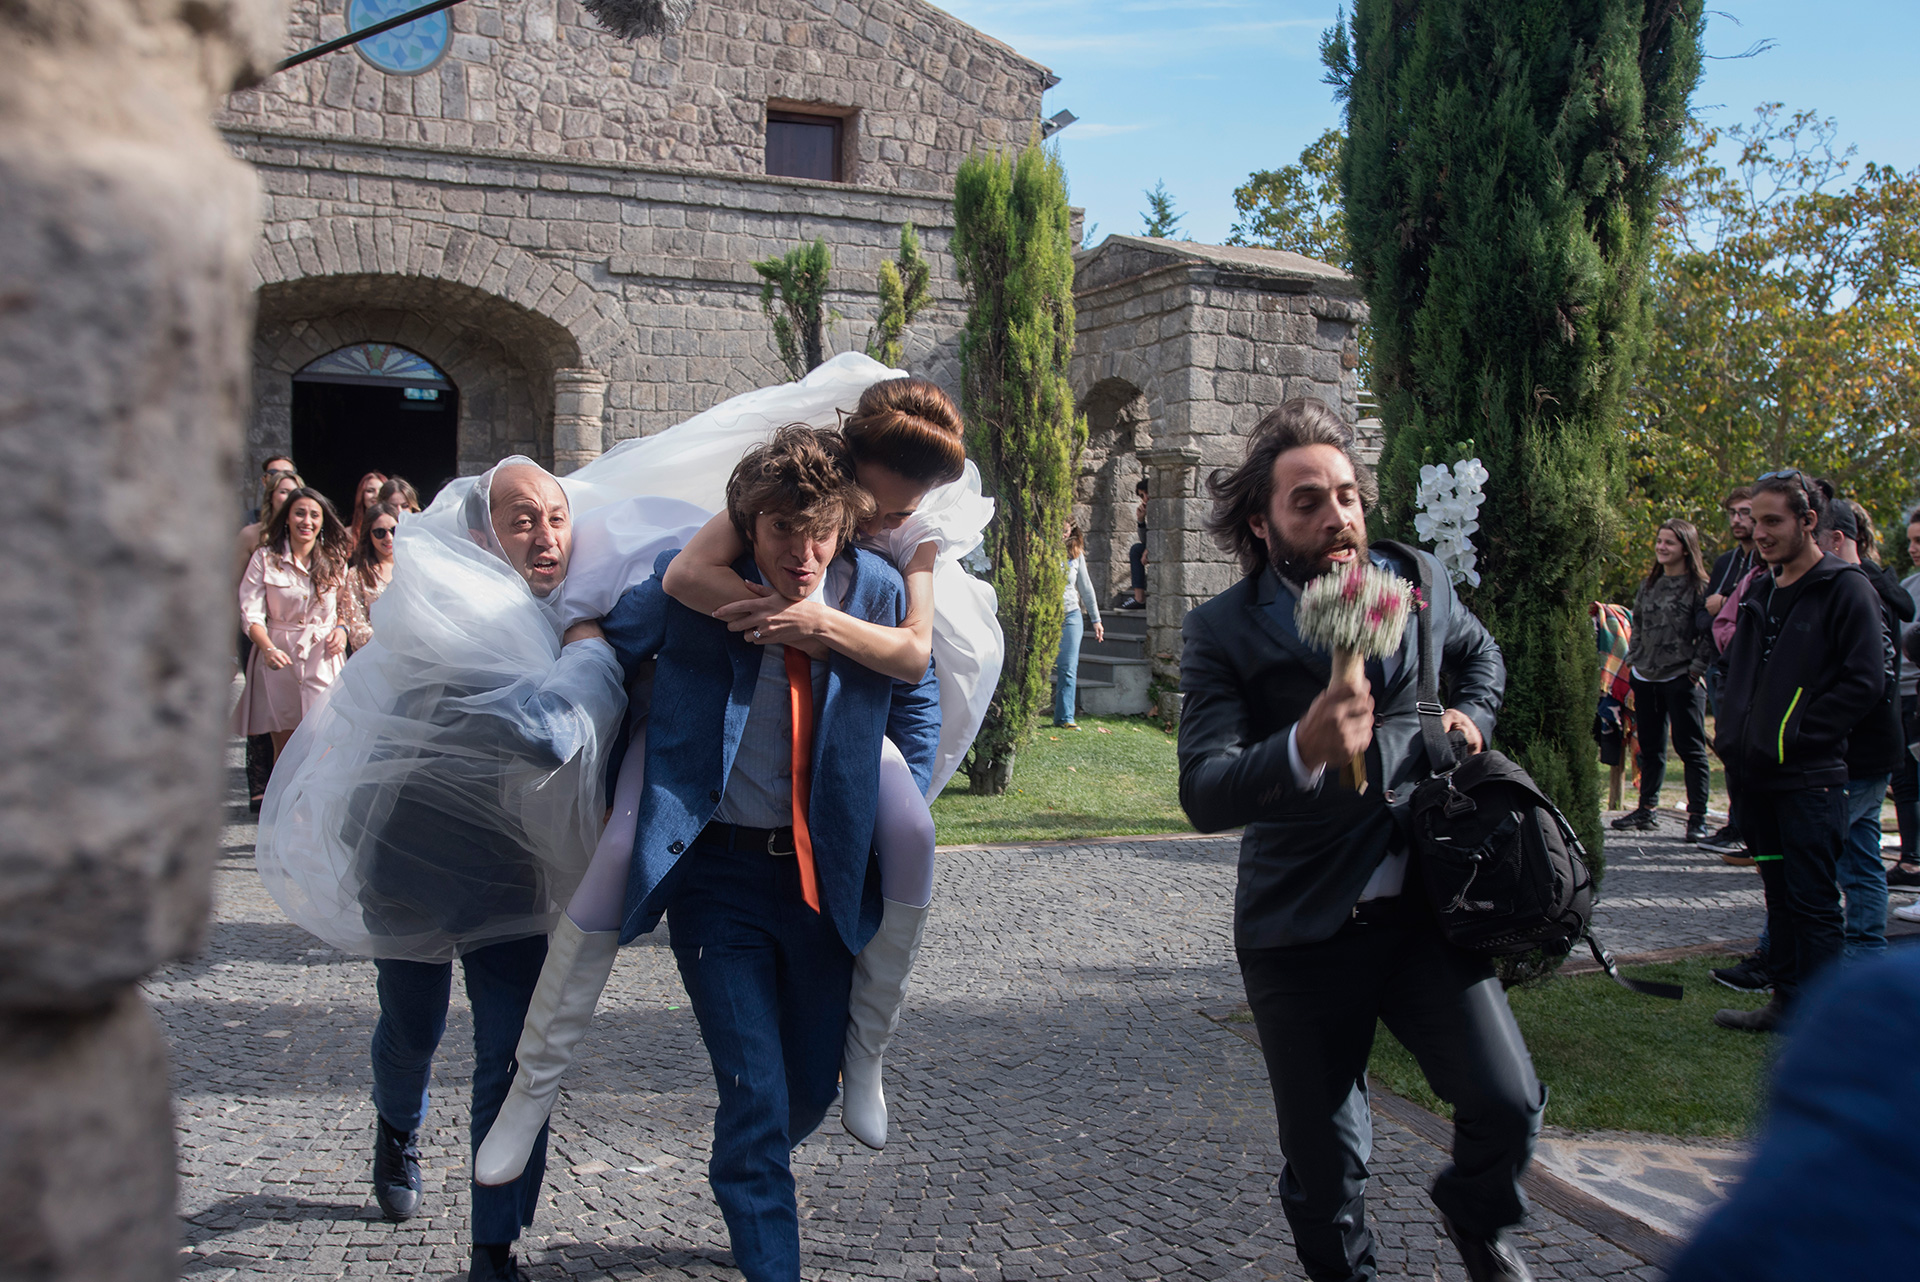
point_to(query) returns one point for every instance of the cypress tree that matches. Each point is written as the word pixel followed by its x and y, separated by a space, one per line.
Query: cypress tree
pixel 904 291
pixel 1015 256
pixel 1504 166
pixel 798 281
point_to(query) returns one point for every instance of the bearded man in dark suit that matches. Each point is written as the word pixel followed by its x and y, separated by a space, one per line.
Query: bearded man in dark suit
pixel 1332 927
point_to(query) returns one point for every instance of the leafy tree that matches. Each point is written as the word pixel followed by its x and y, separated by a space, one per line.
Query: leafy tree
pixel 1787 321
pixel 798 279
pixel 1012 242
pixel 903 293
pixel 1160 218
pixel 1504 165
pixel 1297 207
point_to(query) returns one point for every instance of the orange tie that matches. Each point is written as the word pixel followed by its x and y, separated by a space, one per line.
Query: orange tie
pixel 800 702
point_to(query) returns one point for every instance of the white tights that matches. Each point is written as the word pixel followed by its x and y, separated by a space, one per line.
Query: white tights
pixel 902 833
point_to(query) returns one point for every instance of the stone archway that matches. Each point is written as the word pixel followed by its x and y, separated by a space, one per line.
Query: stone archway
pixel 514 367
pixel 1119 429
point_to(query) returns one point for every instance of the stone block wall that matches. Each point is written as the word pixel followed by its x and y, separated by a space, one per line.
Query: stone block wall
pixel 919 88
pixel 504 269
pixel 1180 350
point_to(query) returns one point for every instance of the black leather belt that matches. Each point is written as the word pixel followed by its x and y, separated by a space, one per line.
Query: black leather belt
pixel 771 841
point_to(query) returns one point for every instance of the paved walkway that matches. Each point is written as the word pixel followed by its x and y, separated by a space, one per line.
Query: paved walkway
pixel 1061 1105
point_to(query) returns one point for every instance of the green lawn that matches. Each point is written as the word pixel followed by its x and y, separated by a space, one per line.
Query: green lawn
pixel 1616 1060
pixel 1114 776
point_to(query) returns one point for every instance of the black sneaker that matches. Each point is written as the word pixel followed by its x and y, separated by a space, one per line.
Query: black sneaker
pixel 1725 842
pixel 1488 1259
pixel 1749 975
pixel 1640 820
pixel 1696 829
pixel 1131 604
pixel 1767 1019
pixel 396 1171
pixel 1899 877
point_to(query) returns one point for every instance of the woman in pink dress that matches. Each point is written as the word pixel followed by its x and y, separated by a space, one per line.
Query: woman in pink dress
pixel 289 603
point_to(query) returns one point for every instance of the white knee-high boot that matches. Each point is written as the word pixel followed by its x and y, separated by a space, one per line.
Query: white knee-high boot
pixel 873 1012
pixel 578 963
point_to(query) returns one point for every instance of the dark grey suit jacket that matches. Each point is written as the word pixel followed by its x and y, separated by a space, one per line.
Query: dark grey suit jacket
pixel 1247 678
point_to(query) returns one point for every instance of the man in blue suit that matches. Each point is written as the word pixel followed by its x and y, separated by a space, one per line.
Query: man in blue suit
pixel 756 841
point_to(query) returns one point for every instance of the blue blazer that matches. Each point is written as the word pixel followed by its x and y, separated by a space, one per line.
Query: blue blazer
pixel 703 686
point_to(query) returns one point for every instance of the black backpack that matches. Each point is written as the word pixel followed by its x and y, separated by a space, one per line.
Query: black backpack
pixel 1503 867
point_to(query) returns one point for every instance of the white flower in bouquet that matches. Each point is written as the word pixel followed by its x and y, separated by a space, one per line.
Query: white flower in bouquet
pixel 1449 500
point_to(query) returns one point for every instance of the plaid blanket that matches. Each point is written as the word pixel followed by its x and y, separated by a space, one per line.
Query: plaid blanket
pixel 1613 720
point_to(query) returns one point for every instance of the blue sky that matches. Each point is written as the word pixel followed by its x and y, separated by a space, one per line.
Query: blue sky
pixel 1199 93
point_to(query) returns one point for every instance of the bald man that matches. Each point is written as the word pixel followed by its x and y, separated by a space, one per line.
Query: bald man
pixel 430 868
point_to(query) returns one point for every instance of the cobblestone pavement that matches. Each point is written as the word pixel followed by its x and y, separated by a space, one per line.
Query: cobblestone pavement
pixel 1060 1105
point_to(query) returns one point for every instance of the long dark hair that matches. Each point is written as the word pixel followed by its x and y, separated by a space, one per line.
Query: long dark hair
pixel 910 426
pixel 1247 491
pixel 330 551
pixel 1076 542
pixel 1689 553
pixel 363 558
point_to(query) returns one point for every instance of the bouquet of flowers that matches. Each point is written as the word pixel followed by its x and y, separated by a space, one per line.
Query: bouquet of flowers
pixel 1450 499
pixel 1357 613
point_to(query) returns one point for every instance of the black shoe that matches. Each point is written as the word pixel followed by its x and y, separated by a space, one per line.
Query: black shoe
pixel 1899 878
pixel 1636 820
pixel 494 1263
pixel 1749 975
pixel 1725 842
pixel 396 1172
pixel 1696 828
pixel 1491 1259
pixel 1131 604
pixel 1765 1020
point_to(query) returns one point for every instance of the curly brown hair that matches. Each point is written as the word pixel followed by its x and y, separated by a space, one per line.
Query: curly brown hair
pixel 910 426
pixel 1247 491
pixel 331 550
pixel 804 474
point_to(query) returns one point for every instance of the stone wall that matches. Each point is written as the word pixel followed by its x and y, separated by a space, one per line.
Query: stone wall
pixel 504 270
pixel 1180 349
pixel 920 89
pixel 125 228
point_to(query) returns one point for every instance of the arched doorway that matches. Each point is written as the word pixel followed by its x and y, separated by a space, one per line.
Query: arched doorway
pixel 374 407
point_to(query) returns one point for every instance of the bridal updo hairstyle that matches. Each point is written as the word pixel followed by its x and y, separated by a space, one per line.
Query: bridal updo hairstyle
pixel 909 426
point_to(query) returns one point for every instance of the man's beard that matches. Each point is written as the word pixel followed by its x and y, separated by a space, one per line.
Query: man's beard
pixel 1302 565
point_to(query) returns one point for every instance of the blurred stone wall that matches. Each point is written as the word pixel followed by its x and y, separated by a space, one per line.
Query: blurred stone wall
pixel 125 230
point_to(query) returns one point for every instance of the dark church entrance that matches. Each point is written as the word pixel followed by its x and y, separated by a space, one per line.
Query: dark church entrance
pixel 374 407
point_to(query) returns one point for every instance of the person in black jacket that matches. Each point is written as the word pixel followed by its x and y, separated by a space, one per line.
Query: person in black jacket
pixel 1728 570
pixel 1330 936
pixel 1806 664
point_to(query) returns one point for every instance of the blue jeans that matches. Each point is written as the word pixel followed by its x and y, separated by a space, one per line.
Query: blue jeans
pixel 769 979
pixel 1066 667
pixel 1795 838
pixel 1863 874
pixel 413 1016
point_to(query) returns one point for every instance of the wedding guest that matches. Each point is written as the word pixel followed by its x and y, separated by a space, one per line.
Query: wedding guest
pixel 268 466
pixel 274 489
pixel 275 485
pixel 365 495
pixel 399 492
pixel 368 573
pixel 289 599
pixel 1083 610
pixel 1668 658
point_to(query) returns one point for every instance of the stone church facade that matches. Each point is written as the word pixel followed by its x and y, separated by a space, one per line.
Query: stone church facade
pixel 517 234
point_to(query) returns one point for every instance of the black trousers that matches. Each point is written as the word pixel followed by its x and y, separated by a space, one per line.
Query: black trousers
pixel 1795 838
pixel 1682 704
pixel 1137 566
pixel 1904 788
pixel 1315 1006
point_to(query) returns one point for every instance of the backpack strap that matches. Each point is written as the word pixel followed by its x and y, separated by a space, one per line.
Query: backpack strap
pixel 1651 988
pixel 1432 730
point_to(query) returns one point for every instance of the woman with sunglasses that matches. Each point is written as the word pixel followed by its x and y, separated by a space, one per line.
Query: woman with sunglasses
pixel 368 573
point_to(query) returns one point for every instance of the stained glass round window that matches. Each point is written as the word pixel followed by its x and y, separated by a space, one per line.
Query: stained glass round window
pixel 403 51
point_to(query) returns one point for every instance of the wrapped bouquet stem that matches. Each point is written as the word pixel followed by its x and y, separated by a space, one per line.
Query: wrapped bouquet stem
pixel 1356 613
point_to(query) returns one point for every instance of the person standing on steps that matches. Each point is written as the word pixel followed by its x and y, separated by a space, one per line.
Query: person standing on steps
pixel 1730 568
pixel 1330 937
pixel 1805 665
pixel 1083 611
pixel 1136 598
pixel 1668 658
pixel 1905 785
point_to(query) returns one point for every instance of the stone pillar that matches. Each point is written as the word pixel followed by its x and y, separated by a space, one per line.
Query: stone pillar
pixel 125 310
pixel 1175 520
pixel 579 407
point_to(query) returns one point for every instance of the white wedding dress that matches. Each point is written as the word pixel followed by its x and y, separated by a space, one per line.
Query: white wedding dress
pixel 449 710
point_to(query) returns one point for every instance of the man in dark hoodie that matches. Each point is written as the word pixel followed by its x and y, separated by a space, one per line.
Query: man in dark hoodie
pixel 1806 664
